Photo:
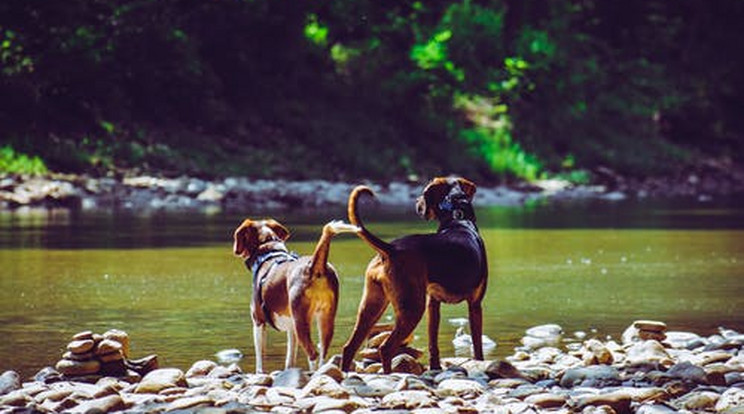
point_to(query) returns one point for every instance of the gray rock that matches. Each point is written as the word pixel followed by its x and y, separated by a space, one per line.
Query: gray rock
pixel 464 388
pixel 617 401
pixel 330 369
pixel 200 368
pixel 48 375
pixel 408 400
pixel 655 409
pixel 292 377
pixel 546 400
pixel 593 376
pixel 324 385
pixel 101 405
pixel 686 371
pixel 450 373
pixel 406 364
pixel 697 401
pixel 9 381
pixel 502 369
pixel 734 378
pixel 731 399
pixel 362 389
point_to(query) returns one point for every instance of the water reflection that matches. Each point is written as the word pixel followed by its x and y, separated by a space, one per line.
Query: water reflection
pixel 170 280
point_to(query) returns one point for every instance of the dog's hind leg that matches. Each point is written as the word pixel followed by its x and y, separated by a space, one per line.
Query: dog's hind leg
pixel 371 307
pixel 259 342
pixel 325 330
pixel 302 328
pixel 407 316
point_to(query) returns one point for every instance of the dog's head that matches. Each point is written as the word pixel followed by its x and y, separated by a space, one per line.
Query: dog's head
pixel 446 197
pixel 253 233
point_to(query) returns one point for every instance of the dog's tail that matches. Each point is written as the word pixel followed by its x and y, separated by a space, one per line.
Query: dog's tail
pixel 382 247
pixel 320 255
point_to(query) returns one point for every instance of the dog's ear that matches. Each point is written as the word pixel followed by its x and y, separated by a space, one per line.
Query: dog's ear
pixel 427 205
pixel 245 239
pixel 278 229
pixel 468 187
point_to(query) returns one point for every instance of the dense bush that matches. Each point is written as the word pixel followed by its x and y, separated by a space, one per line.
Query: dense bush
pixel 496 90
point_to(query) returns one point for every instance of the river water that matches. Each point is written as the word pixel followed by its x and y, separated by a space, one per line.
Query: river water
pixel 171 282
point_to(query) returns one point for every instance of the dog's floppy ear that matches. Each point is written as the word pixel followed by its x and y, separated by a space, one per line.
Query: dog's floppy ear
pixel 245 239
pixel 278 229
pixel 468 187
pixel 427 205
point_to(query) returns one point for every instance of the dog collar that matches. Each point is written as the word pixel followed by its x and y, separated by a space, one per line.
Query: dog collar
pixel 254 265
pixel 456 213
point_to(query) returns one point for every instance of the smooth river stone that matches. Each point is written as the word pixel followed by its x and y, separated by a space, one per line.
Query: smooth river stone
pixel 161 379
pixel 81 346
pixel 112 357
pixel 78 357
pixel 108 346
pixel 78 368
pixel 651 326
pixel 120 337
pixel 81 336
pixel 656 336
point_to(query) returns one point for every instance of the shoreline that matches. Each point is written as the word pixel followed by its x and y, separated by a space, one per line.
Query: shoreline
pixel 151 193
pixel 650 370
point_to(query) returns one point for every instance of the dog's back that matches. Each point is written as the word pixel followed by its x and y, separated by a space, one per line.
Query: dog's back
pixel 455 257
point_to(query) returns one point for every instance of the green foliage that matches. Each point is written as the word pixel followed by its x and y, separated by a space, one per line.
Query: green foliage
pixel 17 163
pixel 12 56
pixel 315 32
pixel 496 90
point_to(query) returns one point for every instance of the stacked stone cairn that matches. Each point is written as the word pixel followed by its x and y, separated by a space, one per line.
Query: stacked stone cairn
pixel 91 356
pixel 405 359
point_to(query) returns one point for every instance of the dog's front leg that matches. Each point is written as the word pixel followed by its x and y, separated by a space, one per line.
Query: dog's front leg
pixel 475 313
pixel 433 329
pixel 259 343
pixel 291 359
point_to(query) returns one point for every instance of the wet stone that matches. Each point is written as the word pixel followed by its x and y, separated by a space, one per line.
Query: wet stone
pixel 593 376
pixel 9 381
pixel 81 346
pixel 292 377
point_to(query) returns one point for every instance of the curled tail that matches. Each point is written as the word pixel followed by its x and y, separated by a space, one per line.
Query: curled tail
pixel 378 244
pixel 320 255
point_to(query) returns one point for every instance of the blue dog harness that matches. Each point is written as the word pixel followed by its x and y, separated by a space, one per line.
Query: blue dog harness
pixel 254 265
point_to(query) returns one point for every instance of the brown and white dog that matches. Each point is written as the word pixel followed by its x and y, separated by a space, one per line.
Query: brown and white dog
pixel 289 292
pixel 419 271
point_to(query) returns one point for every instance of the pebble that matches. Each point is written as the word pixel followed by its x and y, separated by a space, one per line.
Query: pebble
pixel 81 346
pixel 9 381
pixel 645 376
pixel 161 379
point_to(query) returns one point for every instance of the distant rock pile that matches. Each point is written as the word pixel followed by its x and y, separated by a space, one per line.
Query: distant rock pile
pixel 91 356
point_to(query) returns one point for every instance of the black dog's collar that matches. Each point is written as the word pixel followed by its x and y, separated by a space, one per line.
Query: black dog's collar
pixel 456 210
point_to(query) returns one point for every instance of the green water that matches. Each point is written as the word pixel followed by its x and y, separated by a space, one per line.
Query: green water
pixel 171 282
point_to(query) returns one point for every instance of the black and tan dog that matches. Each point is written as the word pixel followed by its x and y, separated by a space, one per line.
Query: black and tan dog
pixel 289 292
pixel 446 266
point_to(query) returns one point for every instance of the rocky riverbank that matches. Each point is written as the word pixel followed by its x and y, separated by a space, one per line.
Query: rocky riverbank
pixel 235 193
pixel 650 370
